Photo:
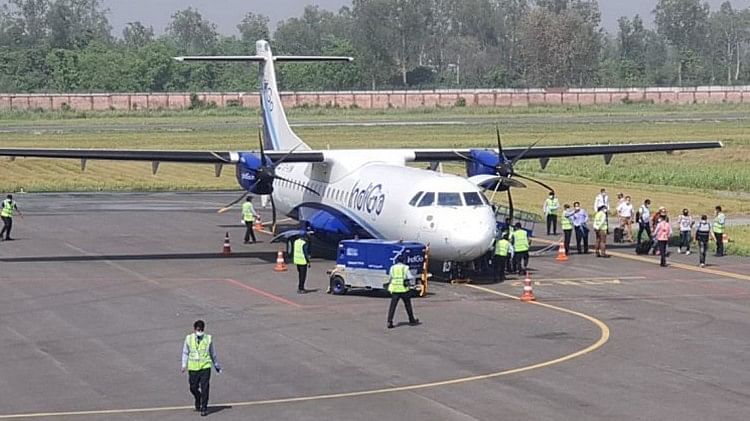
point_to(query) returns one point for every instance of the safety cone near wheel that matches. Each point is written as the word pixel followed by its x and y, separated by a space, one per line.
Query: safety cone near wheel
pixel 227 246
pixel 280 264
pixel 561 255
pixel 528 293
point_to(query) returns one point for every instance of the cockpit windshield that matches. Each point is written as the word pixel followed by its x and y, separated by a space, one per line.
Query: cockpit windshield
pixel 449 199
pixel 453 199
pixel 473 199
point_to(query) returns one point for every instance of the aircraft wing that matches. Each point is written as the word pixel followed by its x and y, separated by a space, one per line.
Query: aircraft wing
pixel 196 157
pixel 547 152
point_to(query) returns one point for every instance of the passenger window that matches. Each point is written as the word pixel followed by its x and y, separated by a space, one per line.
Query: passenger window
pixel 415 199
pixel 427 200
pixel 449 199
pixel 473 199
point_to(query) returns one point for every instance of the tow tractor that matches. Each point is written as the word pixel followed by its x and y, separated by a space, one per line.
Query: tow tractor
pixel 366 263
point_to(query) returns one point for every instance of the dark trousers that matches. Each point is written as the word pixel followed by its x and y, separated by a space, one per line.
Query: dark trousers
pixel 249 232
pixel 199 385
pixel 302 272
pixel 552 223
pixel 395 296
pixel 7 225
pixel 521 261
pixel 582 234
pixel 719 244
pixel 702 248
pixel 498 265
pixel 568 235
pixel 685 240
pixel 644 228
pixel 663 252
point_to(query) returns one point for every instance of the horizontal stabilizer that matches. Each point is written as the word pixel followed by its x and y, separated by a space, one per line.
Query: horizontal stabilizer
pixel 222 58
pixel 302 59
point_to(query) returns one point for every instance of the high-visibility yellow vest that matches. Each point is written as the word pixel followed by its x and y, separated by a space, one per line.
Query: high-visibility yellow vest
pixel 552 206
pixel 719 223
pixel 7 211
pixel 502 246
pixel 566 222
pixel 248 213
pixel 397 275
pixel 198 356
pixel 600 221
pixel 299 252
pixel 520 240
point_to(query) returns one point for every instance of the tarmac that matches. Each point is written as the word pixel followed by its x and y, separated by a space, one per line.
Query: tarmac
pixel 99 290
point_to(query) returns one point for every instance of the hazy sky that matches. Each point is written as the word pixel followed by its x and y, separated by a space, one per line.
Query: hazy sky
pixel 227 13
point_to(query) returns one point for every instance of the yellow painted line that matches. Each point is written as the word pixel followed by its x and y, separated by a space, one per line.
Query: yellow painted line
pixel 672 264
pixel 604 337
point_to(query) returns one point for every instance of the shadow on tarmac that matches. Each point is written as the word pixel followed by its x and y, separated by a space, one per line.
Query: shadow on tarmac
pixel 268 257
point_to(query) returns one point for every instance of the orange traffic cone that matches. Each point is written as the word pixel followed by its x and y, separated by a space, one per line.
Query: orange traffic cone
pixel 528 293
pixel 280 264
pixel 258 226
pixel 561 256
pixel 227 246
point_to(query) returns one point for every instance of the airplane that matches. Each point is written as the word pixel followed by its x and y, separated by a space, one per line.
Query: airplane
pixel 367 193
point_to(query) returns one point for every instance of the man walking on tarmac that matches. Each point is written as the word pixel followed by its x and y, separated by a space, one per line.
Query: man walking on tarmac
pixel 644 220
pixel 301 259
pixel 248 216
pixel 521 245
pixel 9 209
pixel 502 251
pixel 718 227
pixel 600 228
pixel 551 205
pixel 702 235
pixel 198 356
pixel 399 281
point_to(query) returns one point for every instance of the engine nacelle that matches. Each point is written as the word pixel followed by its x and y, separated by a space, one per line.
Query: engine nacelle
pixel 484 162
pixel 247 174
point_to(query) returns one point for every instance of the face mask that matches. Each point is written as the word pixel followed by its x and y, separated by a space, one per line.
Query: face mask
pixel 199 333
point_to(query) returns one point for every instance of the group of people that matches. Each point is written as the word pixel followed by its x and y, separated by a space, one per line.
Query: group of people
pixel 511 251
pixel 655 225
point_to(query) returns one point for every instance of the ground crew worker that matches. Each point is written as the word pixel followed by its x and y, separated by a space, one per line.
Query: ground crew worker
pixel 248 216
pixel 502 250
pixel 8 211
pixel 718 229
pixel 521 245
pixel 702 234
pixel 567 226
pixel 662 232
pixel 580 220
pixel 509 267
pixel 600 228
pixel 551 205
pixel 198 356
pixel 301 259
pixel 399 281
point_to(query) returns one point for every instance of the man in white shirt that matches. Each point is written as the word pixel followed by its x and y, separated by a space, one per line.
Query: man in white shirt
pixel 601 200
pixel 625 213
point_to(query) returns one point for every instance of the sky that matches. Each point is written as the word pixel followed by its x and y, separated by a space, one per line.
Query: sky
pixel 228 13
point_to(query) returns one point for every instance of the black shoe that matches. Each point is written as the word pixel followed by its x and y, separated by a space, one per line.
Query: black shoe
pixel 301 291
pixel 246 242
pixel 414 322
pixel 606 256
pixel 10 239
pixel 204 413
pixel 390 326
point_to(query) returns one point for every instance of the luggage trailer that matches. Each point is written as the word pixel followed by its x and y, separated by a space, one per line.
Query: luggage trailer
pixel 365 264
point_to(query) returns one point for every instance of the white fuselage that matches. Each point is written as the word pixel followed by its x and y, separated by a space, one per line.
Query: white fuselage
pixel 377 190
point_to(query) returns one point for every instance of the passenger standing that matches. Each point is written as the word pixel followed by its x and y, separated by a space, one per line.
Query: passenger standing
pixel 301 259
pixel 551 205
pixel 248 216
pixel 686 223
pixel 567 226
pixel 9 209
pixel 644 220
pixel 400 278
pixel 625 212
pixel 601 200
pixel 502 251
pixel 521 244
pixel 718 228
pixel 580 221
pixel 702 234
pixel 600 228
pixel 198 356
pixel 662 232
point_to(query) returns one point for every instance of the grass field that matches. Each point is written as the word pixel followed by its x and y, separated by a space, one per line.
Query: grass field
pixel 697 180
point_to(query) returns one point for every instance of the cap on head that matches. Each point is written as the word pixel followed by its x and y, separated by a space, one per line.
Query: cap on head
pixel 199 325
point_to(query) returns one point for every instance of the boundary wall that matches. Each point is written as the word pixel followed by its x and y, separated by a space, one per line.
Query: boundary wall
pixel 384 99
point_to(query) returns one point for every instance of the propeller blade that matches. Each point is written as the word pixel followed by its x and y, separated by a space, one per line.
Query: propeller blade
pixel 297 184
pixel 226 208
pixel 273 215
pixel 219 157
pixel 499 143
pixel 466 158
pixel 535 181
pixel 517 158
pixel 510 206
pixel 285 157
pixel 262 152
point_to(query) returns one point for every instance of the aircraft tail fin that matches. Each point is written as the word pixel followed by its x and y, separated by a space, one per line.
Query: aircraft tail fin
pixel 278 135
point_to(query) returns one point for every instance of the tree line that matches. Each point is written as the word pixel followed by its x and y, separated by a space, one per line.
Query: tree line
pixel 69 46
